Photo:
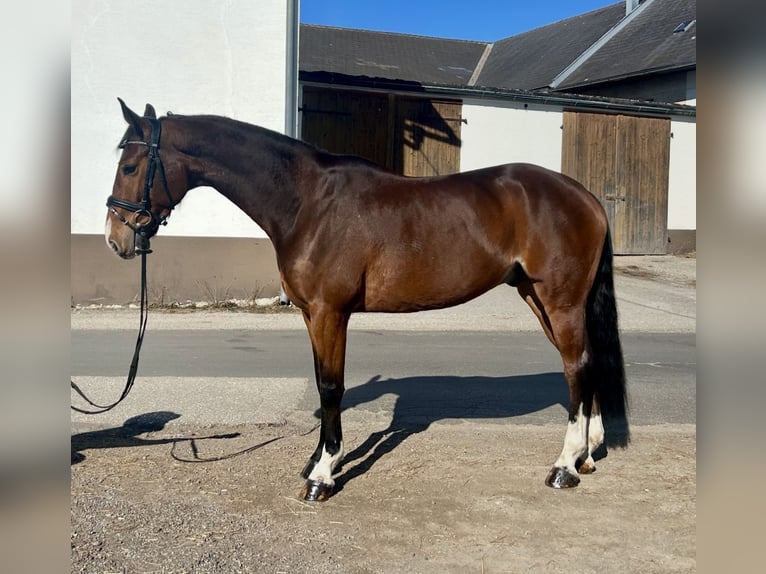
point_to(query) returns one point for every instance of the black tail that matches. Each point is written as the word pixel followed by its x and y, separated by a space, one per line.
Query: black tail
pixel 606 368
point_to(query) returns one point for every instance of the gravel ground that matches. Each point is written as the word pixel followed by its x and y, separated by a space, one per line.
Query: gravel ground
pixel 450 498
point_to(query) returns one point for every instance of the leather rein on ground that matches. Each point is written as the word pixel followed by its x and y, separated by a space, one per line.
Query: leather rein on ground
pixel 145 225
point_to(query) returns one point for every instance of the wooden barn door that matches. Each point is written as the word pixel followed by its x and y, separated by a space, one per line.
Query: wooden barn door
pixel 427 137
pixel 624 161
pixel 347 122
pixel 416 137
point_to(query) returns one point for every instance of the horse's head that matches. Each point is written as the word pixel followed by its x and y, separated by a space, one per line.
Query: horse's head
pixel 148 184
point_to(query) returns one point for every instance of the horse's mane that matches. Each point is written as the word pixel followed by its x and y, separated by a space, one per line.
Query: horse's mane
pixel 321 156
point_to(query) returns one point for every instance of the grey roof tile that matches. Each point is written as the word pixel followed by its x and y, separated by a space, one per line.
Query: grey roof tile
pixel 385 55
pixel 647 44
pixel 531 60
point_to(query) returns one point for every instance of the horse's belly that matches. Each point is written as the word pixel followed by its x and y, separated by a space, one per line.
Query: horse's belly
pixel 422 285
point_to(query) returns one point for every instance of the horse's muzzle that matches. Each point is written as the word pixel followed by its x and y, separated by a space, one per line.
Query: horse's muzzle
pixel 123 253
pixel 121 243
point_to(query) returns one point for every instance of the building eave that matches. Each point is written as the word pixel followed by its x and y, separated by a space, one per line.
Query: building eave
pixel 538 97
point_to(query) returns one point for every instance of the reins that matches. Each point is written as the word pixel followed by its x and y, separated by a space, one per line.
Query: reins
pixel 146 223
pixel 144 315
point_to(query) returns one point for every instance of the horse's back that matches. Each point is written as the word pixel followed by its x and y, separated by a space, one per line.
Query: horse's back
pixel 515 206
pixel 440 241
pixel 542 188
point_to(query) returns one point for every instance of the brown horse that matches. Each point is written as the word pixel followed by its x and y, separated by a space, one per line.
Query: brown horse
pixel 350 236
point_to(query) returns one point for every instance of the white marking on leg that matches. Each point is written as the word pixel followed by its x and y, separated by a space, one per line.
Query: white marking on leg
pixel 595 432
pixel 595 438
pixel 575 443
pixel 323 469
pixel 108 230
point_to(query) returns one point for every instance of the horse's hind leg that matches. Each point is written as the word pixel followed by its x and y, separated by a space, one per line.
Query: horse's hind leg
pixel 565 327
pixel 571 342
pixel 595 439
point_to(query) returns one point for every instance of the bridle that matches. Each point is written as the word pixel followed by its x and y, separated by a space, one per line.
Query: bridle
pixel 145 226
pixel 146 222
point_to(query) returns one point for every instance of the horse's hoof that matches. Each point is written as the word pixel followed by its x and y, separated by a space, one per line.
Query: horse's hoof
pixel 560 477
pixel 315 491
pixel 587 468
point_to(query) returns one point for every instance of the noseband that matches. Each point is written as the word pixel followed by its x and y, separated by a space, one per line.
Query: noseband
pixel 147 222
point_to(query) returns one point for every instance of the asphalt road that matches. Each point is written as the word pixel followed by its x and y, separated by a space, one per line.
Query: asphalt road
pixel 484 360
pixel 249 376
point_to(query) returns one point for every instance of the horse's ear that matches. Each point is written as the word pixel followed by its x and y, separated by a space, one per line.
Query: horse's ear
pixel 132 118
pixel 149 112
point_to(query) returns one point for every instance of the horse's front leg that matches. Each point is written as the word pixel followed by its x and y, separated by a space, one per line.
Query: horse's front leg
pixel 327 329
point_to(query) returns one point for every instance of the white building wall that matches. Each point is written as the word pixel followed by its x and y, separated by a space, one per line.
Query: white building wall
pixel 222 57
pixel 508 132
pixel 498 133
pixel 682 179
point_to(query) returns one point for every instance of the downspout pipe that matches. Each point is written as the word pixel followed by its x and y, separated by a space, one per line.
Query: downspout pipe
pixel 291 88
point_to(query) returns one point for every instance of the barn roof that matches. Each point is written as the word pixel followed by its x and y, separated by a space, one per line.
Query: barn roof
pixel 533 59
pixel 591 48
pixel 403 57
pixel 660 36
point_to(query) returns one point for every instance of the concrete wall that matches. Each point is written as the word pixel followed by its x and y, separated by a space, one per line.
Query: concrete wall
pixel 179 269
pixel 505 132
pixel 682 200
pixel 682 181
pixel 234 58
pixel 223 57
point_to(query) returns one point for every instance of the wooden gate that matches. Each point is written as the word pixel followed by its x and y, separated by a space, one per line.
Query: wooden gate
pixel 624 161
pixel 410 136
pixel 352 123
pixel 427 137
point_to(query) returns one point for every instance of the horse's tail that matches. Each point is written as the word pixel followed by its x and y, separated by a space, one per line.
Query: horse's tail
pixel 607 370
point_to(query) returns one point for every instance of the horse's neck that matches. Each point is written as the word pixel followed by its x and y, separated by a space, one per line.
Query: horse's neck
pixel 253 168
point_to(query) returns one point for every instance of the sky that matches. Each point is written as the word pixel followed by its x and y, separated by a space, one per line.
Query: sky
pixel 481 20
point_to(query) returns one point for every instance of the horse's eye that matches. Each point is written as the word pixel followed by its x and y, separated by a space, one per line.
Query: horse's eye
pixel 128 169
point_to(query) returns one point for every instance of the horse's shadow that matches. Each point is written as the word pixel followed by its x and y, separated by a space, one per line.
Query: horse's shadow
pixel 127 435
pixel 421 401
